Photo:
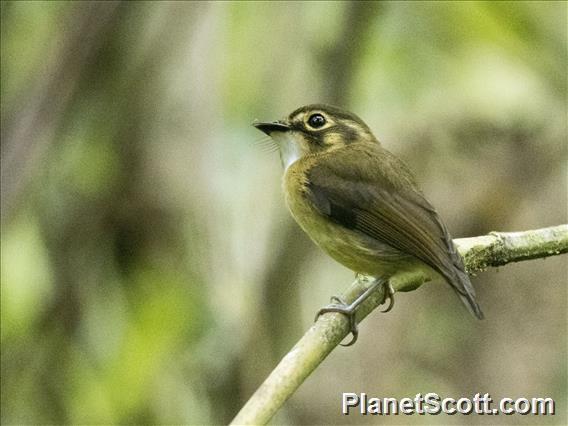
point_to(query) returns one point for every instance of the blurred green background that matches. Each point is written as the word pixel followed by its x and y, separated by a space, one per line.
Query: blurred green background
pixel 150 270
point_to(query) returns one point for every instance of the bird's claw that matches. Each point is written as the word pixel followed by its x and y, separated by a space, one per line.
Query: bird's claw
pixel 340 306
pixel 390 296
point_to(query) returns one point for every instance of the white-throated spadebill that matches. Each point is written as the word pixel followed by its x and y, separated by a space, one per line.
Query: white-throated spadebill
pixel 360 203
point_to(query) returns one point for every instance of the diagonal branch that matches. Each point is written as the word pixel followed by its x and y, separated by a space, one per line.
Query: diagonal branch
pixel 479 253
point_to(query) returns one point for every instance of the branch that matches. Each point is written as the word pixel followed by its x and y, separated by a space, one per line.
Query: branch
pixel 479 253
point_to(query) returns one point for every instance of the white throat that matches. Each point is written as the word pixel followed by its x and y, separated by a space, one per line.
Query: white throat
pixel 289 150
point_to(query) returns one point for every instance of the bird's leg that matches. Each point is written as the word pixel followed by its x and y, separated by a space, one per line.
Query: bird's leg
pixel 340 306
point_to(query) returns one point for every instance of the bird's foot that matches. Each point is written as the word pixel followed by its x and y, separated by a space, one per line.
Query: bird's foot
pixel 389 294
pixel 349 310
pixel 340 306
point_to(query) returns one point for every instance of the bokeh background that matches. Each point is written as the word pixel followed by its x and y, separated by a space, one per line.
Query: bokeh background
pixel 150 271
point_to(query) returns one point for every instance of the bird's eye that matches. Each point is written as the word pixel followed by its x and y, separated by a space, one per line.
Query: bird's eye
pixel 316 121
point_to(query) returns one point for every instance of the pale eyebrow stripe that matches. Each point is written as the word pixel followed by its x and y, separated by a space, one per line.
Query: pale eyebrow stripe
pixel 354 125
pixel 297 115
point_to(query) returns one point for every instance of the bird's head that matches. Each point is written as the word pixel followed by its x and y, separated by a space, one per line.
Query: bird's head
pixel 314 129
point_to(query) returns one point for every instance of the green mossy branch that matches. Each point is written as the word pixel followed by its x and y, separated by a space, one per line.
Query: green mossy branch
pixel 500 248
pixel 479 253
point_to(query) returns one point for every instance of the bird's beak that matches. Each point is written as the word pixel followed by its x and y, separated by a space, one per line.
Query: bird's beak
pixel 268 128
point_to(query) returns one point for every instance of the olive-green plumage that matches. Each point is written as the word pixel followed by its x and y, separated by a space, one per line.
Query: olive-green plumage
pixel 360 203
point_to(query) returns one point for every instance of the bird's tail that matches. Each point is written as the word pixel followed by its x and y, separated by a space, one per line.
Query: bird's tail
pixel 463 287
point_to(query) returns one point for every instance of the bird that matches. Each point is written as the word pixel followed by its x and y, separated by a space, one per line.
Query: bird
pixel 361 204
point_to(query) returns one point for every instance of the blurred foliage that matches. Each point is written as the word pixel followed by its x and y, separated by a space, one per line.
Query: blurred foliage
pixel 150 271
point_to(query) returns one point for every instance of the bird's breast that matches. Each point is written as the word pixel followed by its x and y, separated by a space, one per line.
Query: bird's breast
pixel 351 248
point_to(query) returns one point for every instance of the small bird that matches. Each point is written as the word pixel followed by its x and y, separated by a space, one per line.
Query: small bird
pixel 361 204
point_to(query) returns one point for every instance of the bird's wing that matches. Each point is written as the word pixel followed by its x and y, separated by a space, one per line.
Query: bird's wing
pixel 378 197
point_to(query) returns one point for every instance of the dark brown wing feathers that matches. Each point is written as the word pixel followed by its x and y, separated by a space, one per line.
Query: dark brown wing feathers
pixel 380 199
